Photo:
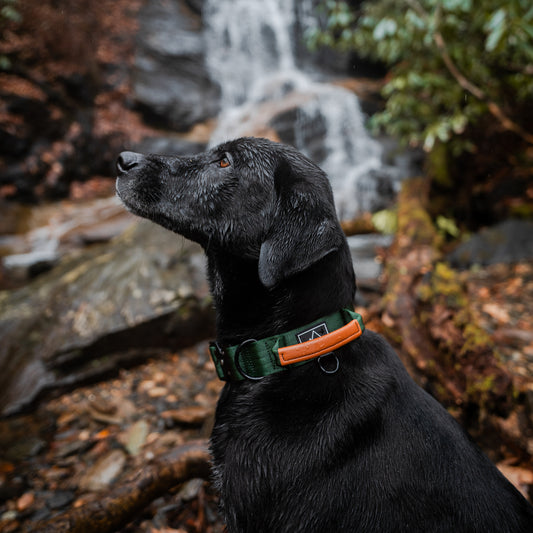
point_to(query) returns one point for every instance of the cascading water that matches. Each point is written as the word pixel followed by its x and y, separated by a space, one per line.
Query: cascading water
pixel 250 52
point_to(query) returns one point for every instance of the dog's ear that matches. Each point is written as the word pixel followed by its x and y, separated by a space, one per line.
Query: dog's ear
pixel 305 227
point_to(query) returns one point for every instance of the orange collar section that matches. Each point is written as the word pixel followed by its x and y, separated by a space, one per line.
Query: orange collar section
pixel 255 359
pixel 320 345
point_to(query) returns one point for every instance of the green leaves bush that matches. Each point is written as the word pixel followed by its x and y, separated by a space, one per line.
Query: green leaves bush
pixel 453 62
pixel 8 13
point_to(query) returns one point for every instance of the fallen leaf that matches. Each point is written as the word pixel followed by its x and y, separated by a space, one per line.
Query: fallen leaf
pixel 25 501
pixel 135 437
pixel 193 415
pixel 104 471
pixel 496 311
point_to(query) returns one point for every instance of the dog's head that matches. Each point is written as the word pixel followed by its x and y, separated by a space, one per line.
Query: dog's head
pixel 253 197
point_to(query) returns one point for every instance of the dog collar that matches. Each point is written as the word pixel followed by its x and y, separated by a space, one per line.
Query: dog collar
pixel 254 359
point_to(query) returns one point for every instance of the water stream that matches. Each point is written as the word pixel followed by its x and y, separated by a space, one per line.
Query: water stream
pixel 251 52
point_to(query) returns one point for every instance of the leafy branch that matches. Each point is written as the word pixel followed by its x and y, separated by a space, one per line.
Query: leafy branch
pixel 462 80
pixel 453 63
pixel 8 14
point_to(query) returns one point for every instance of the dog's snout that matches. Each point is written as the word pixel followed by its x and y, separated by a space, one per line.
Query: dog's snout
pixel 127 160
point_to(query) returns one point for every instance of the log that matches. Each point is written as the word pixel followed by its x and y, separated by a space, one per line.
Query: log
pixel 427 312
pixel 118 508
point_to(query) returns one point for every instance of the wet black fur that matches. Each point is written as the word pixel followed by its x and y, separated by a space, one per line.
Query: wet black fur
pixel 362 450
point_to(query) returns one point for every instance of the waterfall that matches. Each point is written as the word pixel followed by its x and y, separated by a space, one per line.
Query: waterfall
pixel 250 52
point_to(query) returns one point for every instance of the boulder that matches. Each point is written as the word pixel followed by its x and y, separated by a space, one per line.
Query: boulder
pixel 171 83
pixel 169 145
pixel 99 309
pixel 507 242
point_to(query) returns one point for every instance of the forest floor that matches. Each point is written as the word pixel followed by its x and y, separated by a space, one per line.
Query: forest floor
pixel 75 448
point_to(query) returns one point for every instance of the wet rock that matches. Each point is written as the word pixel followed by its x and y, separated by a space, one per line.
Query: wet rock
pixel 29 447
pixel 191 489
pixel 100 309
pixel 171 84
pixel 169 145
pixel 287 126
pixel 507 242
pixel 76 447
pixel 363 249
pixel 54 230
pixel 60 499
pixel 20 267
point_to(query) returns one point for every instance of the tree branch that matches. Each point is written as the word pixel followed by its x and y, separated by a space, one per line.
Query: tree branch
pixel 115 510
pixel 465 83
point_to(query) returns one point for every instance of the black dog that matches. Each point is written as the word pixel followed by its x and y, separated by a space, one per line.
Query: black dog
pixel 344 442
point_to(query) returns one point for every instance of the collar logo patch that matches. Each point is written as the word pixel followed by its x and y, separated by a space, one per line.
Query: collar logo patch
pixel 313 333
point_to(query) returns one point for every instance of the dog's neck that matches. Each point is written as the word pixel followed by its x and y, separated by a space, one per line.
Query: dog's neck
pixel 246 309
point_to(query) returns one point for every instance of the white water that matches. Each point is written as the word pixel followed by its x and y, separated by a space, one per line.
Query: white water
pixel 250 51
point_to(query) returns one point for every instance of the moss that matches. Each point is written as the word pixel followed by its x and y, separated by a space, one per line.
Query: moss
pixel 438 165
pixel 462 318
pixel 480 390
pixel 522 210
pixel 443 282
pixel 475 339
pixel 414 223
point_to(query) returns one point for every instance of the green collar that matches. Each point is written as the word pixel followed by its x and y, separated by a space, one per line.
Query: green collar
pixel 255 359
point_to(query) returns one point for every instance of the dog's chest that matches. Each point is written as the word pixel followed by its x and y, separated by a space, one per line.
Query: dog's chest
pixel 267 455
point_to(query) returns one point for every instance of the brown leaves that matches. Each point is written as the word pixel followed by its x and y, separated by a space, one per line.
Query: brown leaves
pixel 89 453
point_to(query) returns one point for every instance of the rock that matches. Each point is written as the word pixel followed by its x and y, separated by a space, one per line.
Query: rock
pixel 60 498
pixel 52 231
pixel 101 308
pixel 104 471
pixel 23 449
pixel 363 249
pixel 507 242
pixel 169 145
pixel 287 126
pixel 27 265
pixel 171 83
pixel 190 489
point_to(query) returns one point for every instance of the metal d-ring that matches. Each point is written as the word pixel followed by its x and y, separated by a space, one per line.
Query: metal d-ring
pixel 238 364
pixel 325 370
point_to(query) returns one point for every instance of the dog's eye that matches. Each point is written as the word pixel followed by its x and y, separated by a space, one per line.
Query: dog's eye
pixel 224 162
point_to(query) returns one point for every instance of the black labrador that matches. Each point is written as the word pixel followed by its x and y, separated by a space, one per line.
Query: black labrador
pixel 331 437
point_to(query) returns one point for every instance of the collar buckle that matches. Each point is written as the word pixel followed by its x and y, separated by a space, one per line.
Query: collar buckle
pixel 221 360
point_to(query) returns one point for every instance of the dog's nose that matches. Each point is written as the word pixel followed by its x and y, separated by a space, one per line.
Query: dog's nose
pixel 127 160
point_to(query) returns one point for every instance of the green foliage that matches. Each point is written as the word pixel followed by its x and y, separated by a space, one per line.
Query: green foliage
pixel 386 221
pixel 8 13
pixel 488 44
pixel 447 226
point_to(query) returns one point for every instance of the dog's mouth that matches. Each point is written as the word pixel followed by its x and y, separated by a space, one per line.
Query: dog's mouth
pixel 139 191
